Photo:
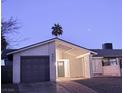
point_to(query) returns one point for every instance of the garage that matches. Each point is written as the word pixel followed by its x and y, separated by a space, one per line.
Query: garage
pixel 35 69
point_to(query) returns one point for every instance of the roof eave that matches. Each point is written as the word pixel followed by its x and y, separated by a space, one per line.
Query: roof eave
pixel 31 46
pixel 48 41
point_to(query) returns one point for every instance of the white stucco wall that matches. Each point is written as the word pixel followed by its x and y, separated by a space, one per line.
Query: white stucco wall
pixel 75 66
pixel 59 54
pixel 76 69
pixel 16 68
pixel 111 70
pixel 67 67
pixel 46 49
pixel 86 66
pixel 97 65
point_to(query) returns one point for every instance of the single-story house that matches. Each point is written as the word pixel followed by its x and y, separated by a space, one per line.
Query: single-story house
pixel 55 58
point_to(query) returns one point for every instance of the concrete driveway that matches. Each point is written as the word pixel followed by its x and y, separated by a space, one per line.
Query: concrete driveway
pixel 93 85
pixel 54 87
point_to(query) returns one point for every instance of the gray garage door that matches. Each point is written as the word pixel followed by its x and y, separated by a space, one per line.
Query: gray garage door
pixel 35 69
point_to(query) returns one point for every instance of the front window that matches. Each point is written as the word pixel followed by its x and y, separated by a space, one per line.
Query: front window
pixel 113 62
pixel 109 62
pixel 105 62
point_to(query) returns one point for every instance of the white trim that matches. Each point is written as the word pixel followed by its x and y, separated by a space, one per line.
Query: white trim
pixel 97 57
pixel 68 50
pixel 83 55
pixel 71 54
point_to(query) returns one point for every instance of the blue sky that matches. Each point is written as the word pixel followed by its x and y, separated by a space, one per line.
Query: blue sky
pixel 88 23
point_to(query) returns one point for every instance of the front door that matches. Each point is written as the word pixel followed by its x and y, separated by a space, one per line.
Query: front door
pixel 61 72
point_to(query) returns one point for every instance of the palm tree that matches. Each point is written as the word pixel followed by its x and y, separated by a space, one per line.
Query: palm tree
pixel 57 30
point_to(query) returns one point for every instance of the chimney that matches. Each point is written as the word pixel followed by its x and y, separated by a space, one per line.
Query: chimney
pixel 107 46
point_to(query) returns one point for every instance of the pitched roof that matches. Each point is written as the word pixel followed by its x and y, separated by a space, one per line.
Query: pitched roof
pixel 44 42
pixel 108 52
pixel 100 52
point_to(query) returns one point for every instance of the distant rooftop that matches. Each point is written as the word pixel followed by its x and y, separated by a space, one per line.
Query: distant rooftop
pixel 108 52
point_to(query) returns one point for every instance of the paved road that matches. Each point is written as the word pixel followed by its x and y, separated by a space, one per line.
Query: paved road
pixel 103 84
pixel 52 87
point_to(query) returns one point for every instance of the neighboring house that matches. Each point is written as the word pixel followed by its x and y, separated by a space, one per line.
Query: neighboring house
pixel 55 58
pixel 108 61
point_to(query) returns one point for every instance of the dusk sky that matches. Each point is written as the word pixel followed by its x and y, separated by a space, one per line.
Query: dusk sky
pixel 88 23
